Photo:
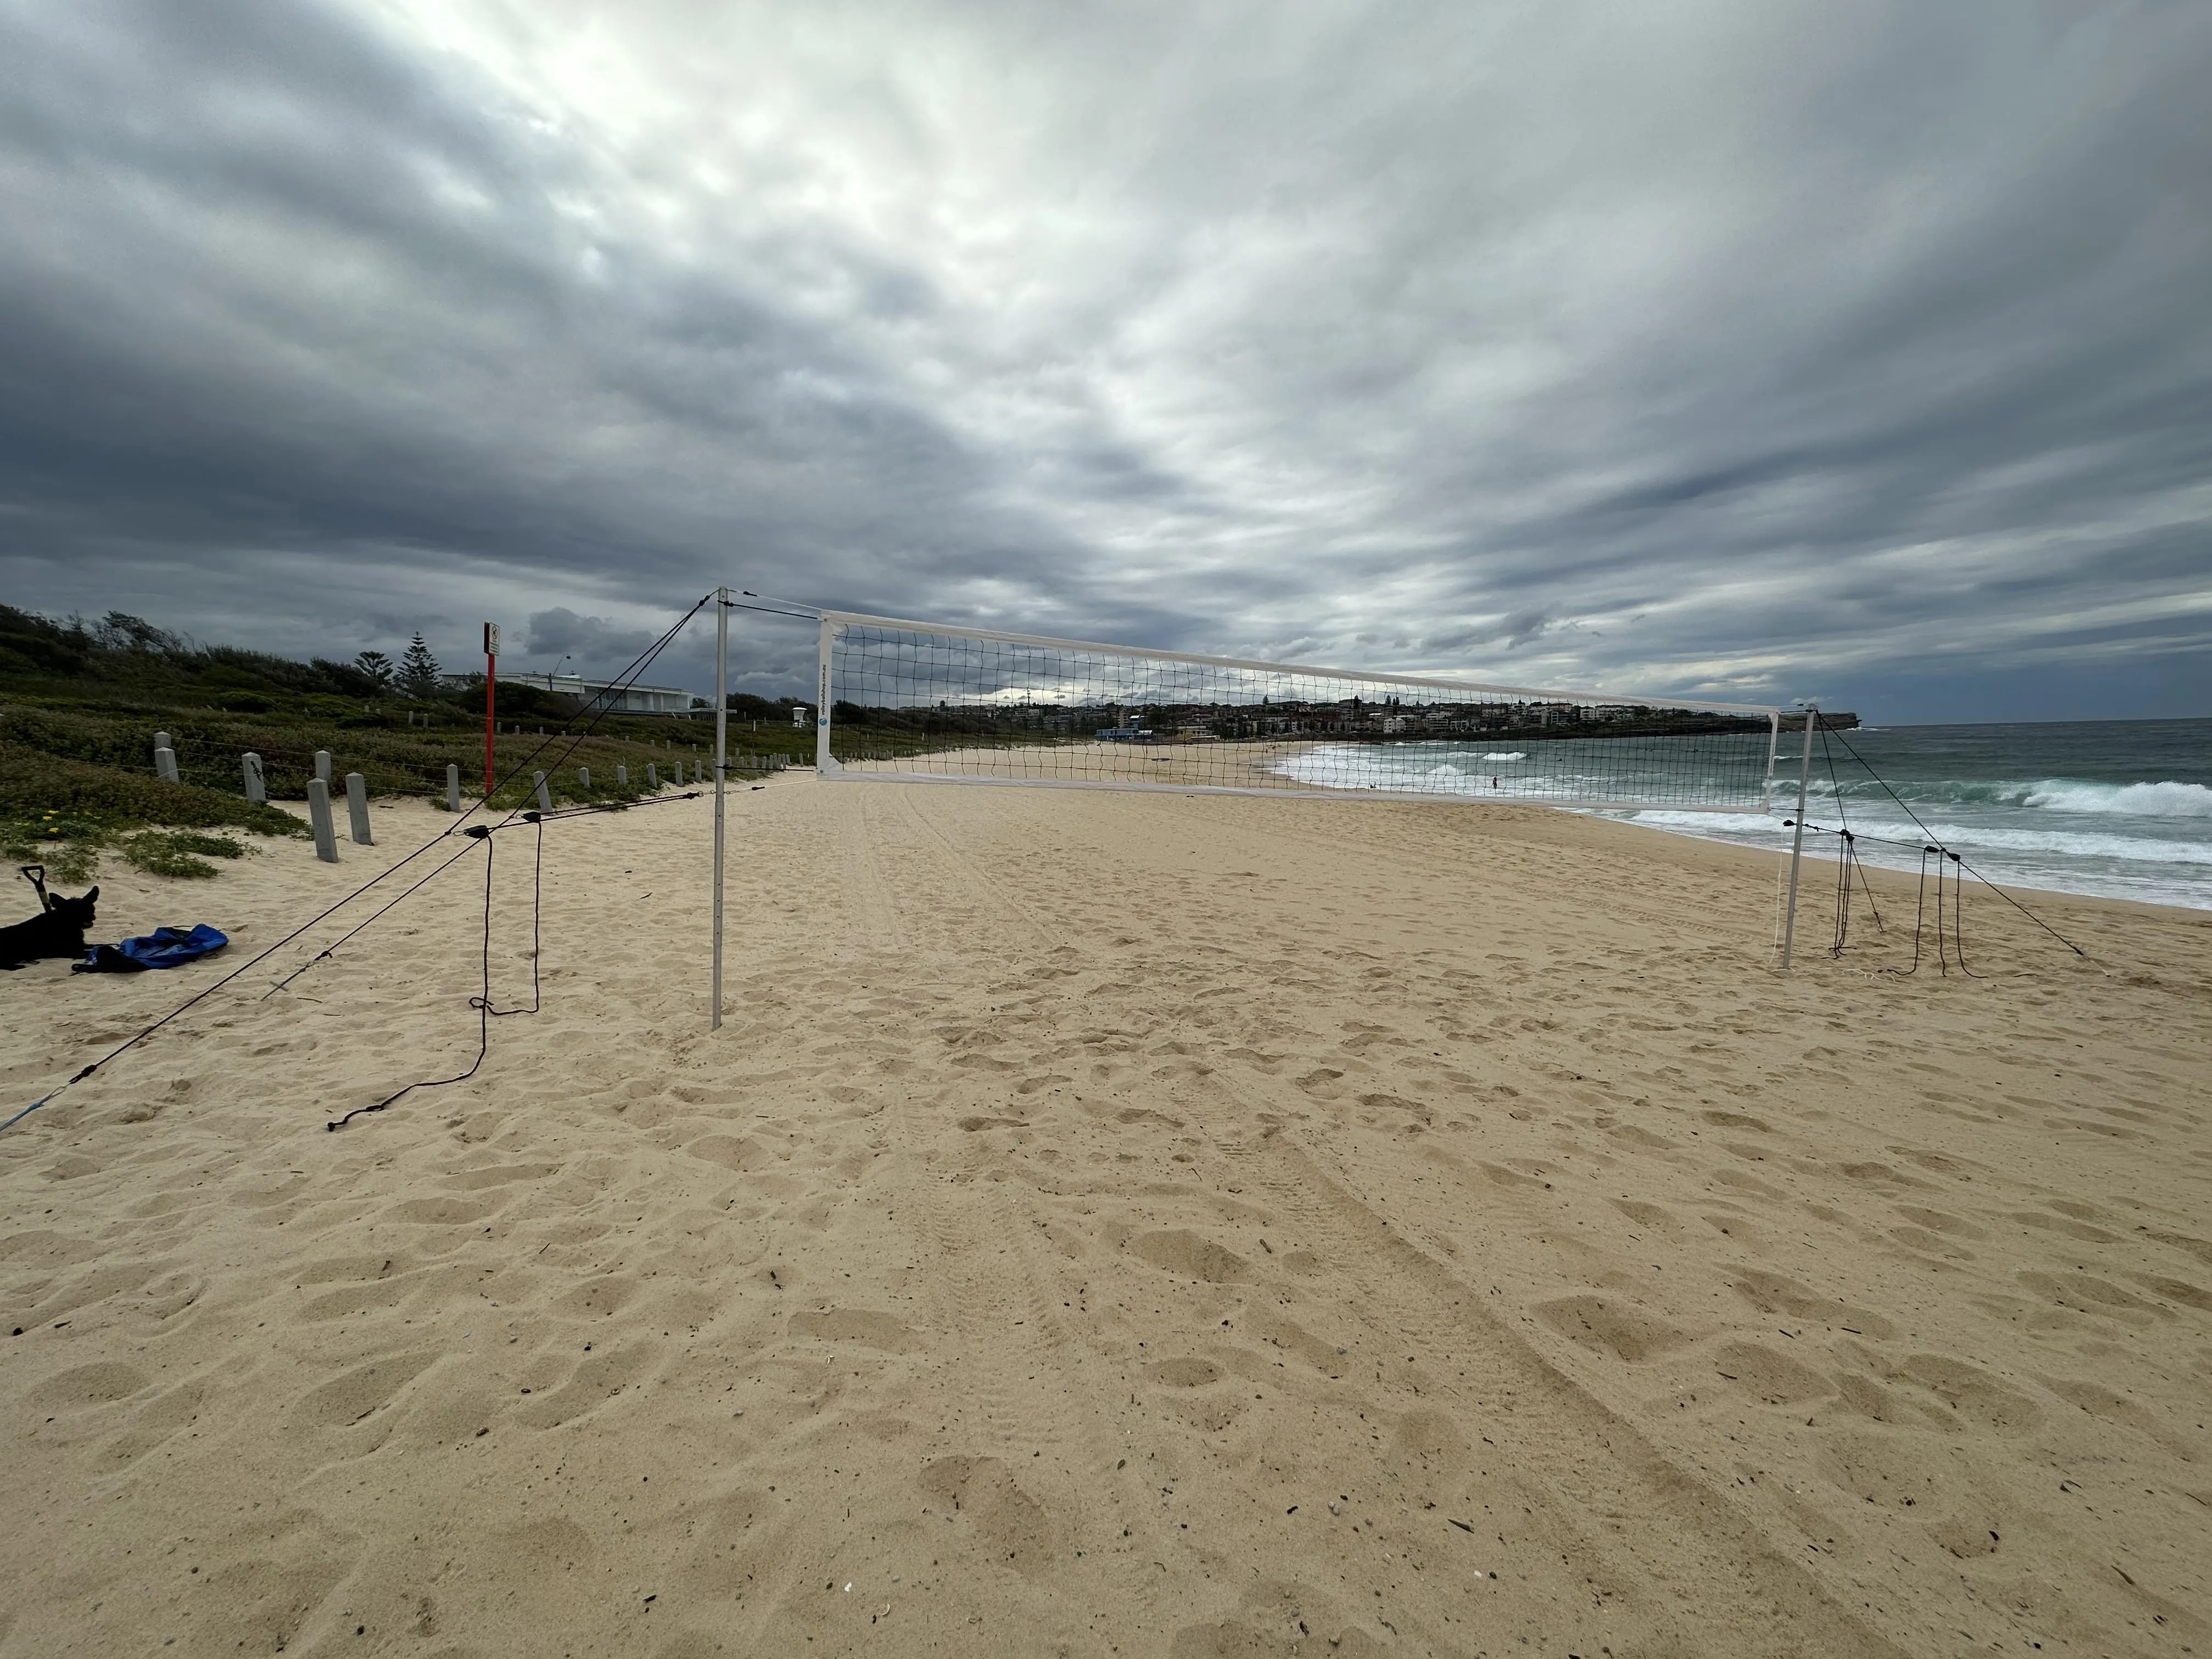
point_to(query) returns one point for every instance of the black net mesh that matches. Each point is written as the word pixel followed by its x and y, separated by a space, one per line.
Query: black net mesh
pixel 908 700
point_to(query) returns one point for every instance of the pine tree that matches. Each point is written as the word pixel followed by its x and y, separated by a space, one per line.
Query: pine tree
pixel 377 666
pixel 418 669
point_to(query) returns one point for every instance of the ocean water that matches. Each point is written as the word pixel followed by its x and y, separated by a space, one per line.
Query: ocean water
pixel 2119 809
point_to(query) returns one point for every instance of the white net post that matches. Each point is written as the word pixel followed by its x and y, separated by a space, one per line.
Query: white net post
pixel 721 776
pixel 824 762
pixel 1797 839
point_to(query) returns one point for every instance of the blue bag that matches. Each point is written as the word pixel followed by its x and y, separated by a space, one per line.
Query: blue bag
pixel 165 947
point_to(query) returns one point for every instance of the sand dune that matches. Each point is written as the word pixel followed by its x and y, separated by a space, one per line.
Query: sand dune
pixel 1111 1223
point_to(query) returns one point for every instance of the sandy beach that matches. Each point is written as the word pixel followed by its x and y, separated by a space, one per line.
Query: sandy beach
pixel 1110 1224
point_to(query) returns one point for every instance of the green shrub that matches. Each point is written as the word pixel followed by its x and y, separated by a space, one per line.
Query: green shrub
pixel 32 784
pixel 178 853
pixel 68 847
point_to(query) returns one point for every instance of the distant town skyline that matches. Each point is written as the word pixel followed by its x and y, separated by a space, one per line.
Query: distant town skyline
pixel 1858 353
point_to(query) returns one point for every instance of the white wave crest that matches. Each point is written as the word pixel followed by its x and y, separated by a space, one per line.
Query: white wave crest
pixel 2148 800
pixel 1882 836
pixel 1515 755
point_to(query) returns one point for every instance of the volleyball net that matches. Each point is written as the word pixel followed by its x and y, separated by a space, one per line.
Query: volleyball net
pixel 907 702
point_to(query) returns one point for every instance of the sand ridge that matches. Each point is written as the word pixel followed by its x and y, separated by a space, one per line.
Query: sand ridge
pixel 1114 1224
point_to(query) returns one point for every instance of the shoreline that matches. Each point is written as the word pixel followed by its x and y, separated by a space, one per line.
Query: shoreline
pixel 1201 765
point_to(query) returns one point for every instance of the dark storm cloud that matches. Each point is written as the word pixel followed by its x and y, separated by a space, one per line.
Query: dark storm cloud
pixel 561 632
pixel 1751 349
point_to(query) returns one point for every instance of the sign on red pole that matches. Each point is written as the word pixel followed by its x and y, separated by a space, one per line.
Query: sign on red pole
pixel 491 679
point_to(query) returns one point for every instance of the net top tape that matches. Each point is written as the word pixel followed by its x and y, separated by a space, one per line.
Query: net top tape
pixel 839 619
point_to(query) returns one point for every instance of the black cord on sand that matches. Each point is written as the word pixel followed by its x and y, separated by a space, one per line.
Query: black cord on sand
pixel 1945 945
pixel 536 911
pixel 1919 910
pixel 331 950
pixel 1848 866
pixel 481 1003
pixel 637 666
pixel 1954 857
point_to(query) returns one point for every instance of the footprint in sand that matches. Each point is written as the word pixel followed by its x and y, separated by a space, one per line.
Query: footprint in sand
pixel 1937 1221
pixel 1768 1375
pixel 1609 1328
pixel 870 1329
pixel 102 1383
pixel 1186 1373
pixel 598 1378
pixel 2087 1293
pixel 1431 1436
pixel 1280 1617
pixel 1191 1256
pixel 2176 1290
pixel 598 1298
pixel 1657 1216
pixel 498 1175
pixel 740 1153
pixel 2109 1406
pixel 439 1211
pixel 983 1493
pixel 346 1399
pixel 1770 1293
pixel 1735 1120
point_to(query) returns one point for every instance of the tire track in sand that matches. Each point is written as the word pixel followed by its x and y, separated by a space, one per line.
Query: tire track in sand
pixel 871 915
pixel 1656 1529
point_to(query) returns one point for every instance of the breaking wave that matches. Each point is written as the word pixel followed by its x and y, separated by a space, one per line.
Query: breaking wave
pixel 2162 800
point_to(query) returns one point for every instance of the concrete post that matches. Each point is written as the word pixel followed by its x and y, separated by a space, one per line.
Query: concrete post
pixel 357 809
pixel 584 777
pixel 452 787
pixel 544 795
pixel 652 776
pixel 161 741
pixel 256 785
pixel 622 777
pixel 165 764
pixel 323 765
pixel 319 816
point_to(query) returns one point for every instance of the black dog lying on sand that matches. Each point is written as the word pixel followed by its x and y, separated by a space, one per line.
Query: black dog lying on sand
pixel 59 932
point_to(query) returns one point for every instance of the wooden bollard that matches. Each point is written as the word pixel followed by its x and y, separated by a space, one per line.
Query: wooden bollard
pixel 357 809
pixel 319 818
pixel 544 795
pixel 452 787
pixel 323 765
pixel 257 784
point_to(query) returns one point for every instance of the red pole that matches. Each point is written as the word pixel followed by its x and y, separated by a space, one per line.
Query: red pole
pixel 491 679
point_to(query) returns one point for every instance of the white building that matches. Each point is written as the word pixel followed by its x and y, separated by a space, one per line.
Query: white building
pixel 595 695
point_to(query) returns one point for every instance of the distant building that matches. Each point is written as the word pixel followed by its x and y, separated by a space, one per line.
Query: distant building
pixel 595 695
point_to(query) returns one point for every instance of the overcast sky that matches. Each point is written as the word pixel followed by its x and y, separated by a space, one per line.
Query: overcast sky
pixel 1851 351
